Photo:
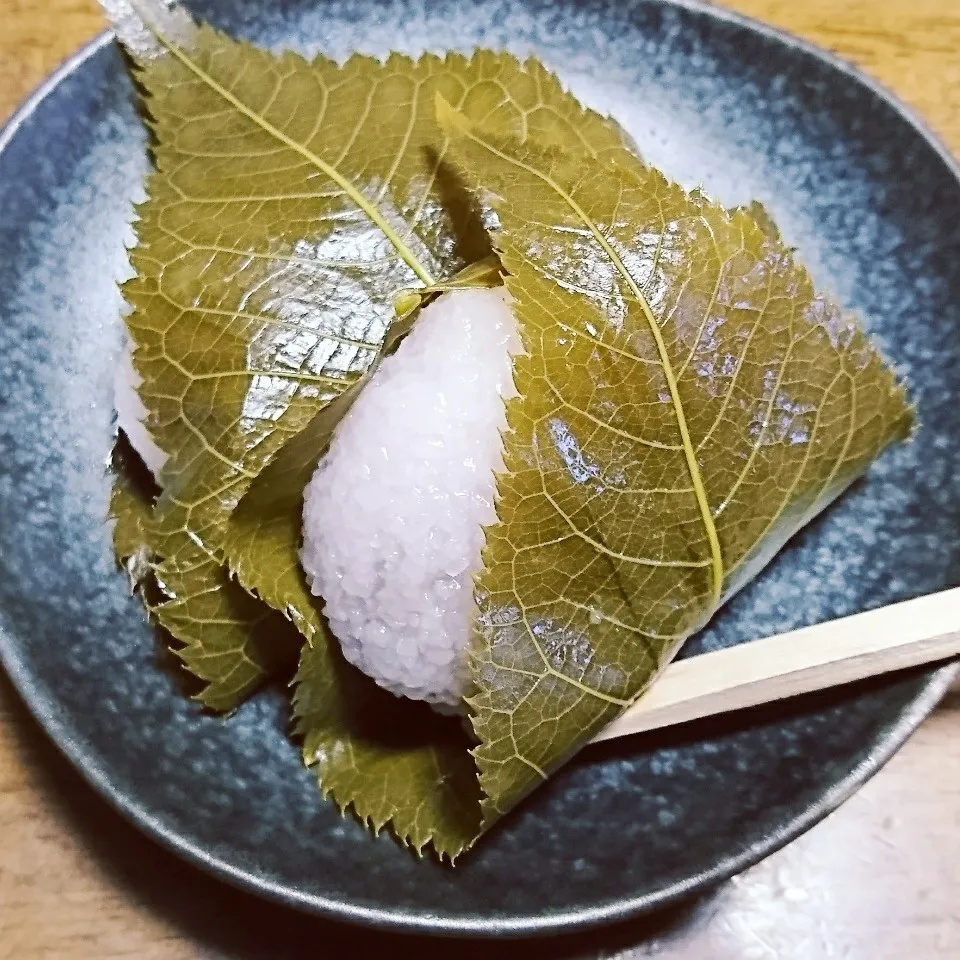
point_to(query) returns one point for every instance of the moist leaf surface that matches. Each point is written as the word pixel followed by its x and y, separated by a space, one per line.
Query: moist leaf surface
pixel 291 203
pixel 391 761
pixel 690 402
pixel 686 403
pixel 520 98
pixel 225 638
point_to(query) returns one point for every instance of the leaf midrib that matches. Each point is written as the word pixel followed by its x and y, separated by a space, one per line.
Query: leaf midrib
pixel 689 451
pixel 369 209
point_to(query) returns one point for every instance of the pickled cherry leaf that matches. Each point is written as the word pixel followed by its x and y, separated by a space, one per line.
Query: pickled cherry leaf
pixel 131 508
pixel 263 536
pixel 224 637
pixel 280 225
pixel 686 403
pixel 391 762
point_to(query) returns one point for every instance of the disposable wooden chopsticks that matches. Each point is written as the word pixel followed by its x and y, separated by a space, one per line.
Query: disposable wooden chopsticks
pixel 890 638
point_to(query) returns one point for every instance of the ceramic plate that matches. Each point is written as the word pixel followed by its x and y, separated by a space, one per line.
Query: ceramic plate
pixel 872 203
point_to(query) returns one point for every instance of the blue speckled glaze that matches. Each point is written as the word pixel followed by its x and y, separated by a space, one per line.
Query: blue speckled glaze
pixel 874 209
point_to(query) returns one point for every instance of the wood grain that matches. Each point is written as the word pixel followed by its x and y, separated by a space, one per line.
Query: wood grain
pixel 896 637
pixel 879 880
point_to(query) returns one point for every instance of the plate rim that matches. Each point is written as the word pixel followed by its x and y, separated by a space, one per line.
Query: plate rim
pixel 936 683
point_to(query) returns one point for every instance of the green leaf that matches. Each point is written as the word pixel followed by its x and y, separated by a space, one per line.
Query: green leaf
pixel 484 273
pixel 686 403
pixel 389 760
pixel 264 536
pixel 281 224
pixel 291 204
pixel 131 508
pixel 228 639
pixel 225 638
pixel 265 277
pixel 761 216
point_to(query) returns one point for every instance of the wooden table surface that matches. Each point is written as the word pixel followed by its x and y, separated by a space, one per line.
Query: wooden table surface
pixel 878 880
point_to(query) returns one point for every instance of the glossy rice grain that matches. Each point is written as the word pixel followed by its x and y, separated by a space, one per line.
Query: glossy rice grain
pixel 394 515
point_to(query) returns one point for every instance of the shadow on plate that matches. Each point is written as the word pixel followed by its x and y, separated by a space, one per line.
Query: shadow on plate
pixel 226 922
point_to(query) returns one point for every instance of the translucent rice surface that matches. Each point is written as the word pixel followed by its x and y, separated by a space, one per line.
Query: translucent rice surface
pixel 394 515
